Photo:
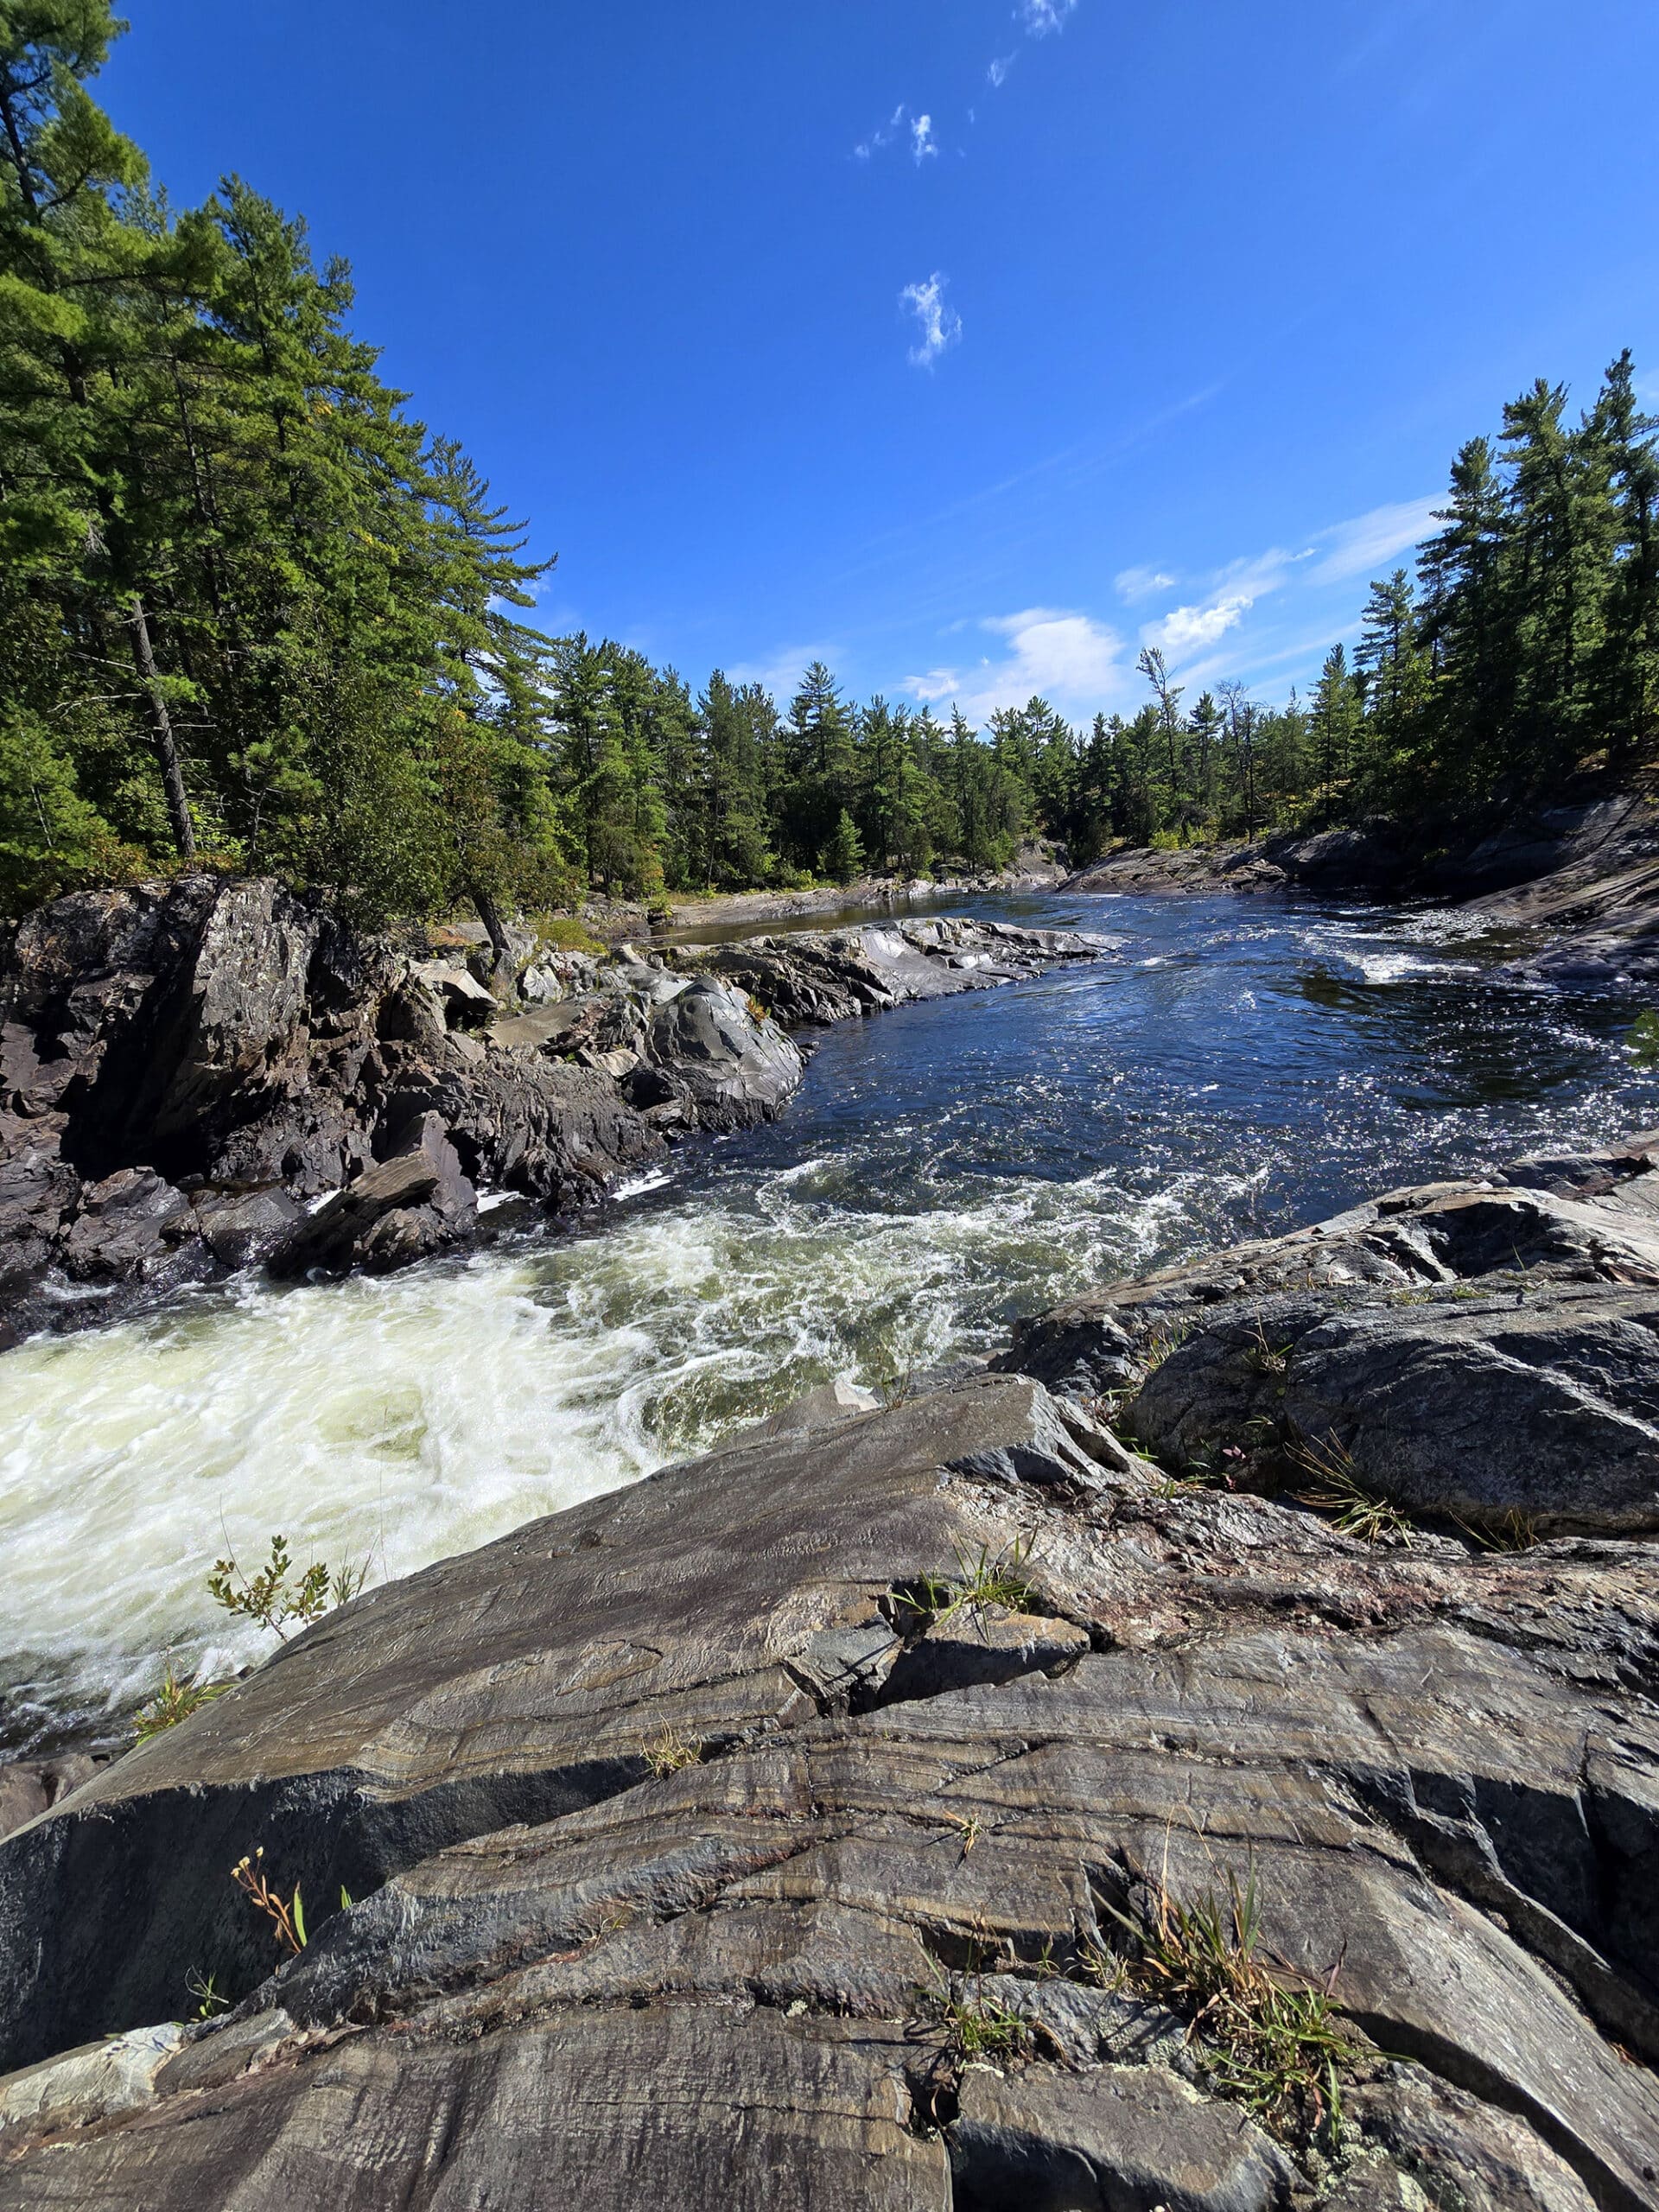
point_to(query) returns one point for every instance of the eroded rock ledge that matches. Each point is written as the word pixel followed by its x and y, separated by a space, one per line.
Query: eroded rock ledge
pixel 690 1829
pixel 186 1069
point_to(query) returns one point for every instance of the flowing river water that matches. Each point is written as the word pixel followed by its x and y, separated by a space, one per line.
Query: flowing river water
pixel 1232 1066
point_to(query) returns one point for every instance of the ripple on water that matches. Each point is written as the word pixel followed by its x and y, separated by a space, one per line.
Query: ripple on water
pixel 943 1169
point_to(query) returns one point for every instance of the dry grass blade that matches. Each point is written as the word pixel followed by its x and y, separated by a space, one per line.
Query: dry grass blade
pixel 1271 2041
pixel 1356 1510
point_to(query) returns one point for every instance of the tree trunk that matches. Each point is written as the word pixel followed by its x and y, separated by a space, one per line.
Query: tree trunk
pixel 167 751
pixel 494 928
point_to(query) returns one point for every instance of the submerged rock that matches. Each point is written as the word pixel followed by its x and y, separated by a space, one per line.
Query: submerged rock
pixel 704 1840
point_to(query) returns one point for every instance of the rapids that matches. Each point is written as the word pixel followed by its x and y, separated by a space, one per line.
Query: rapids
pixel 1232 1067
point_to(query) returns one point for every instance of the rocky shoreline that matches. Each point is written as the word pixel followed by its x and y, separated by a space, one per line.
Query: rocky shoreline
pixel 812 1825
pixel 206 1076
pixel 1568 894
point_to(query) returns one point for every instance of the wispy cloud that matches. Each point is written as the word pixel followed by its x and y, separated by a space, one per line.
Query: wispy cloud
pixel 938 321
pixel 1069 659
pixel 915 129
pixel 998 73
pixel 1362 546
pixel 883 137
pixel 1134 584
pixel 1042 16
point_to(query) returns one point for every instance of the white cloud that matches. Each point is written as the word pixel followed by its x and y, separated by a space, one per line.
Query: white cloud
pixel 1368 543
pixel 1073 662
pixel 1042 16
pixel 921 138
pixel 1140 583
pixel 1186 629
pixel 884 136
pixel 998 71
pixel 938 322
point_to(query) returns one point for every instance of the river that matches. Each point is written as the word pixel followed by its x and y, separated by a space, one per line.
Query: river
pixel 1234 1065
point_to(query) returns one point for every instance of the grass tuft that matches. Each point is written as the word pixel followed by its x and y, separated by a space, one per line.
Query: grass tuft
pixel 173 1702
pixel 1355 1510
pixel 984 1579
pixel 1271 2041
pixel 670 1752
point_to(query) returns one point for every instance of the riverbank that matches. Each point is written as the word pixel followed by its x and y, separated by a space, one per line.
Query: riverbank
pixel 837 1796
pixel 1577 884
pixel 213 1074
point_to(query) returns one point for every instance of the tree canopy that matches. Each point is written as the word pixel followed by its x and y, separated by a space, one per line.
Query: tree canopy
pixel 255 614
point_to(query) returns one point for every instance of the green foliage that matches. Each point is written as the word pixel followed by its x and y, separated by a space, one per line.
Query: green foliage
pixel 204 1988
pixel 1268 2039
pixel 173 1702
pixel 280 1598
pixel 983 1578
pixel 253 610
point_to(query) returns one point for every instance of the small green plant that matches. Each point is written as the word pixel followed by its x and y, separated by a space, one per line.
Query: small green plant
pixel 1355 1510
pixel 286 1915
pixel 1644 1039
pixel 1265 1359
pixel 1270 2041
pixel 172 1703
pixel 205 1989
pixel 279 1596
pixel 1159 1346
pixel 757 1012
pixel 977 2026
pixel 984 1579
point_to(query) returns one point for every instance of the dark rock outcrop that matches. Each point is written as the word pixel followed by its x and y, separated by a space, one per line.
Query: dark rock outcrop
pixel 183 1068
pixel 696 1833
pixel 1479 1352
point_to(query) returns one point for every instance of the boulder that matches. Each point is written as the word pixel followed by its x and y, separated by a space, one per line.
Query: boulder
pixel 695 1833
pixel 411 1204
pixel 728 1068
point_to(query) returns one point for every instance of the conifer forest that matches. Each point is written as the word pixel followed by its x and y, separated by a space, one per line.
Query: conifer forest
pixel 257 615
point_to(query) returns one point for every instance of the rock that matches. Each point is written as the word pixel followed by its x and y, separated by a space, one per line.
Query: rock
pixel 467 1002
pixel 1484 1351
pixel 99 2081
pixel 1118 2136
pixel 816 1408
pixel 679 1834
pixel 31 1787
pixel 726 1067
pixel 411 1204
pixel 224 1036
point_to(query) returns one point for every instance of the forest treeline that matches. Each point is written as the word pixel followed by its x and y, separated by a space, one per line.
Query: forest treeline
pixel 254 613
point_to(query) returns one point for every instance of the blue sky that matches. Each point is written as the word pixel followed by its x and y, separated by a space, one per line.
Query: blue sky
pixel 967 344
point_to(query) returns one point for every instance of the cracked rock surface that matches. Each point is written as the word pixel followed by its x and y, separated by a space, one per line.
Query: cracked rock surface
pixel 705 1839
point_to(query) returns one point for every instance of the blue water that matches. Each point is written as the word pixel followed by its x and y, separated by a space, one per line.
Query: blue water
pixel 1232 1066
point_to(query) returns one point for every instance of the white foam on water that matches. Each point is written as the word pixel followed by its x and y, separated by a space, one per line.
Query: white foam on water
pixel 408 1417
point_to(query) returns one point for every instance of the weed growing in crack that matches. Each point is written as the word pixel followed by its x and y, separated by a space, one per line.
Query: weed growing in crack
pixel 1271 2041
pixel 1265 1359
pixel 670 1752
pixel 978 2026
pixel 984 1578
pixel 286 1915
pixel 173 1702
pixel 203 1987
pixel 274 1600
pixel 1513 1531
pixel 1355 1510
